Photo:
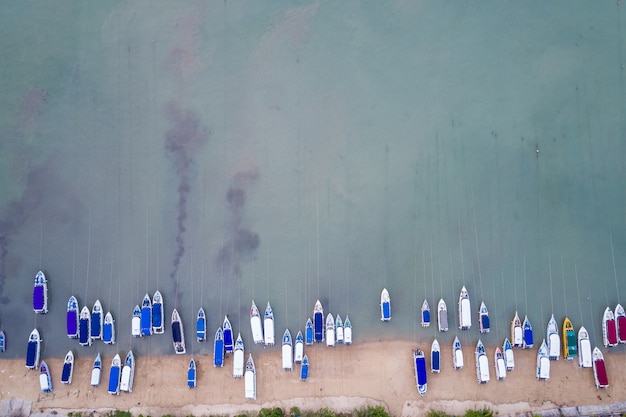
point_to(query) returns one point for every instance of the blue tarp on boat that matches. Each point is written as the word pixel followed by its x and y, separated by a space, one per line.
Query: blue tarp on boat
pixel 191 378
pixel 114 380
pixel 228 340
pixel 435 361
pixel 84 331
pixel 218 353
pixel 420 367
pixel 107 333
pixel 528 337
pixel 31 353
pixel 72 330
pixel 426 316
pixel 157 319
pixel 96 319
pixel 65 374
pixel 304 370
pixel 38 298
pixel 146 321
pixel 308 339
pixel 319 327
pixel 176 332
pixel 387 310
pixel 484 319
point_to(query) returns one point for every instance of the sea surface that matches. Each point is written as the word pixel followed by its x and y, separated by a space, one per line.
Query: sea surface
pixel 225 151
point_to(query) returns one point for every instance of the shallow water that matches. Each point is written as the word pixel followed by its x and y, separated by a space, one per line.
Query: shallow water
pixel 223 153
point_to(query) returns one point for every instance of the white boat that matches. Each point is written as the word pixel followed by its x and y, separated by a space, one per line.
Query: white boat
pixel 457 354
pixel 482 364
pixel 146 316
pixel 255 324
pixel 40 294
pixel 483 318
pixel 339 329
pixel 330 330
pixel 191 374
pixel 304 369
pixel 543 362
pixel 425 314
pixel 528 341
pixel 135 325
pixel 229 343
pixel 84 327
pixel 268 326
pixel 435 354
pixel 128 373
pixel 45 381
pixel 33 350
pixel 178 334
pixel 68 368
pixel 419 362
pixel 298 351
pixel 318 322
pixel 554 341
pixel 158 313
pixel 347 332
pixel 517 336
pixel 96 371
pixel 238 357
pixel 287 351
pixel 442 316
pixel 509 358
pixel 108 330
pixel 465 312
pixel 599 369
pixel 584 349
pixel 250 380
pixel 114 375
pixel 609 328
pixel 97 321
pixel 499 364
pixel 385 305
pixel 72 318
pixel 201 326
pixel 620 321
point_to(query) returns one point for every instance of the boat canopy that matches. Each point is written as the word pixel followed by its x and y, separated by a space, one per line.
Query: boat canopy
pixel 319 326
pixel 426 316
pixel 95 376
pixel 434 361
pixel 554 348
pixel 466 314
pixel 114 380
pixel 39 298
pixel 157 315
pixel 483 369
pixel 621 326
pixel 72 323
pixel 176 335
pixel 501 368
pixel 443 320
pixel 31 354
pixel 544 368
pixel 528 337
pixel 611 332
pixel 584 359
pixel 458 358
pixel 602 381
pixel 484 322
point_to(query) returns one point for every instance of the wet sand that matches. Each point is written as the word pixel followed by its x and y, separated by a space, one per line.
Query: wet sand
pixel 341 378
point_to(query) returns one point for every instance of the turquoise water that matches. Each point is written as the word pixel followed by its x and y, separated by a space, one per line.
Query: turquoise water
pixel 231 151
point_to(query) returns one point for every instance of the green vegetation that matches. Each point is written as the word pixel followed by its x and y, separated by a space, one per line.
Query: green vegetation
pixel 485 412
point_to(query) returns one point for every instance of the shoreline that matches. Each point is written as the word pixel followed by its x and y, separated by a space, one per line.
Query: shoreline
pixel 341 378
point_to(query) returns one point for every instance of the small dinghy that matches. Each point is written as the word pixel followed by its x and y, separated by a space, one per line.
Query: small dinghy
pixel 268 326
pixel 108 331
pixel 308 332
pixel 435 353
pixel 584 349
pixel 97 321
pixel 347 332
pixel 158 314
pixel 135 325
pixel 517 334
pixel 385 305
pixel 425 314
pixel 96 371
pixel 304 369
pixel 3 341
pixel 255 324
pixel 250 380
pixel 599 369
pixel 509 358
pixel 191 374
pixel 72 318
pixel 128 373
pixel 543 362
pixel 318 321
pixel 457 354
pixel 68 368
pixel 178 334
pixel 442 316
pixel 238 358
pixel 554 342
pixel 298 351
pixel 287 351
pixel 33 350
pixel 114 375
pixel 482 364
pixel 570 344
pixel 201 326
pixel 218 348
pixel 609 328
pixel 465 312
pixel 330 330
pixel 146 316
pixel 229 344
pixel 499 364
pixel 528 341
pixel 483 318
pixel 40 294
pixel 45 382
pixel 420 371
pixel 620 321
pixel 339 329
pixel 84 326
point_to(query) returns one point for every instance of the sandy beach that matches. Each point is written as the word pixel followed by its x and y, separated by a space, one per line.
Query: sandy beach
pixel 341 378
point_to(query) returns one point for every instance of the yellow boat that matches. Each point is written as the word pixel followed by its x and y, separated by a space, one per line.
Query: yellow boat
pixel 570 345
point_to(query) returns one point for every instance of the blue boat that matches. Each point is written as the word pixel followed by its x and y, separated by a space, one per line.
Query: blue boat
pixel 108 331
pixel 304 369
pixel 40 294
pixel 420 371
pixel 72 318
pixel 218 348
pixel 425 314
pixel 115 375
pixel 309 332
pixel 45 382
pixel 97 320
pixel 3 341
pixel 146 316
pixel 318 318
pixel 385 305
pixel 228 336
pixel 68 368
pixel 84 327
pixel 483 318
pixel 158 321
pixel 201 326
pixel 528 334
pixel 435 353
pixel 33 349
pixel 191 374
